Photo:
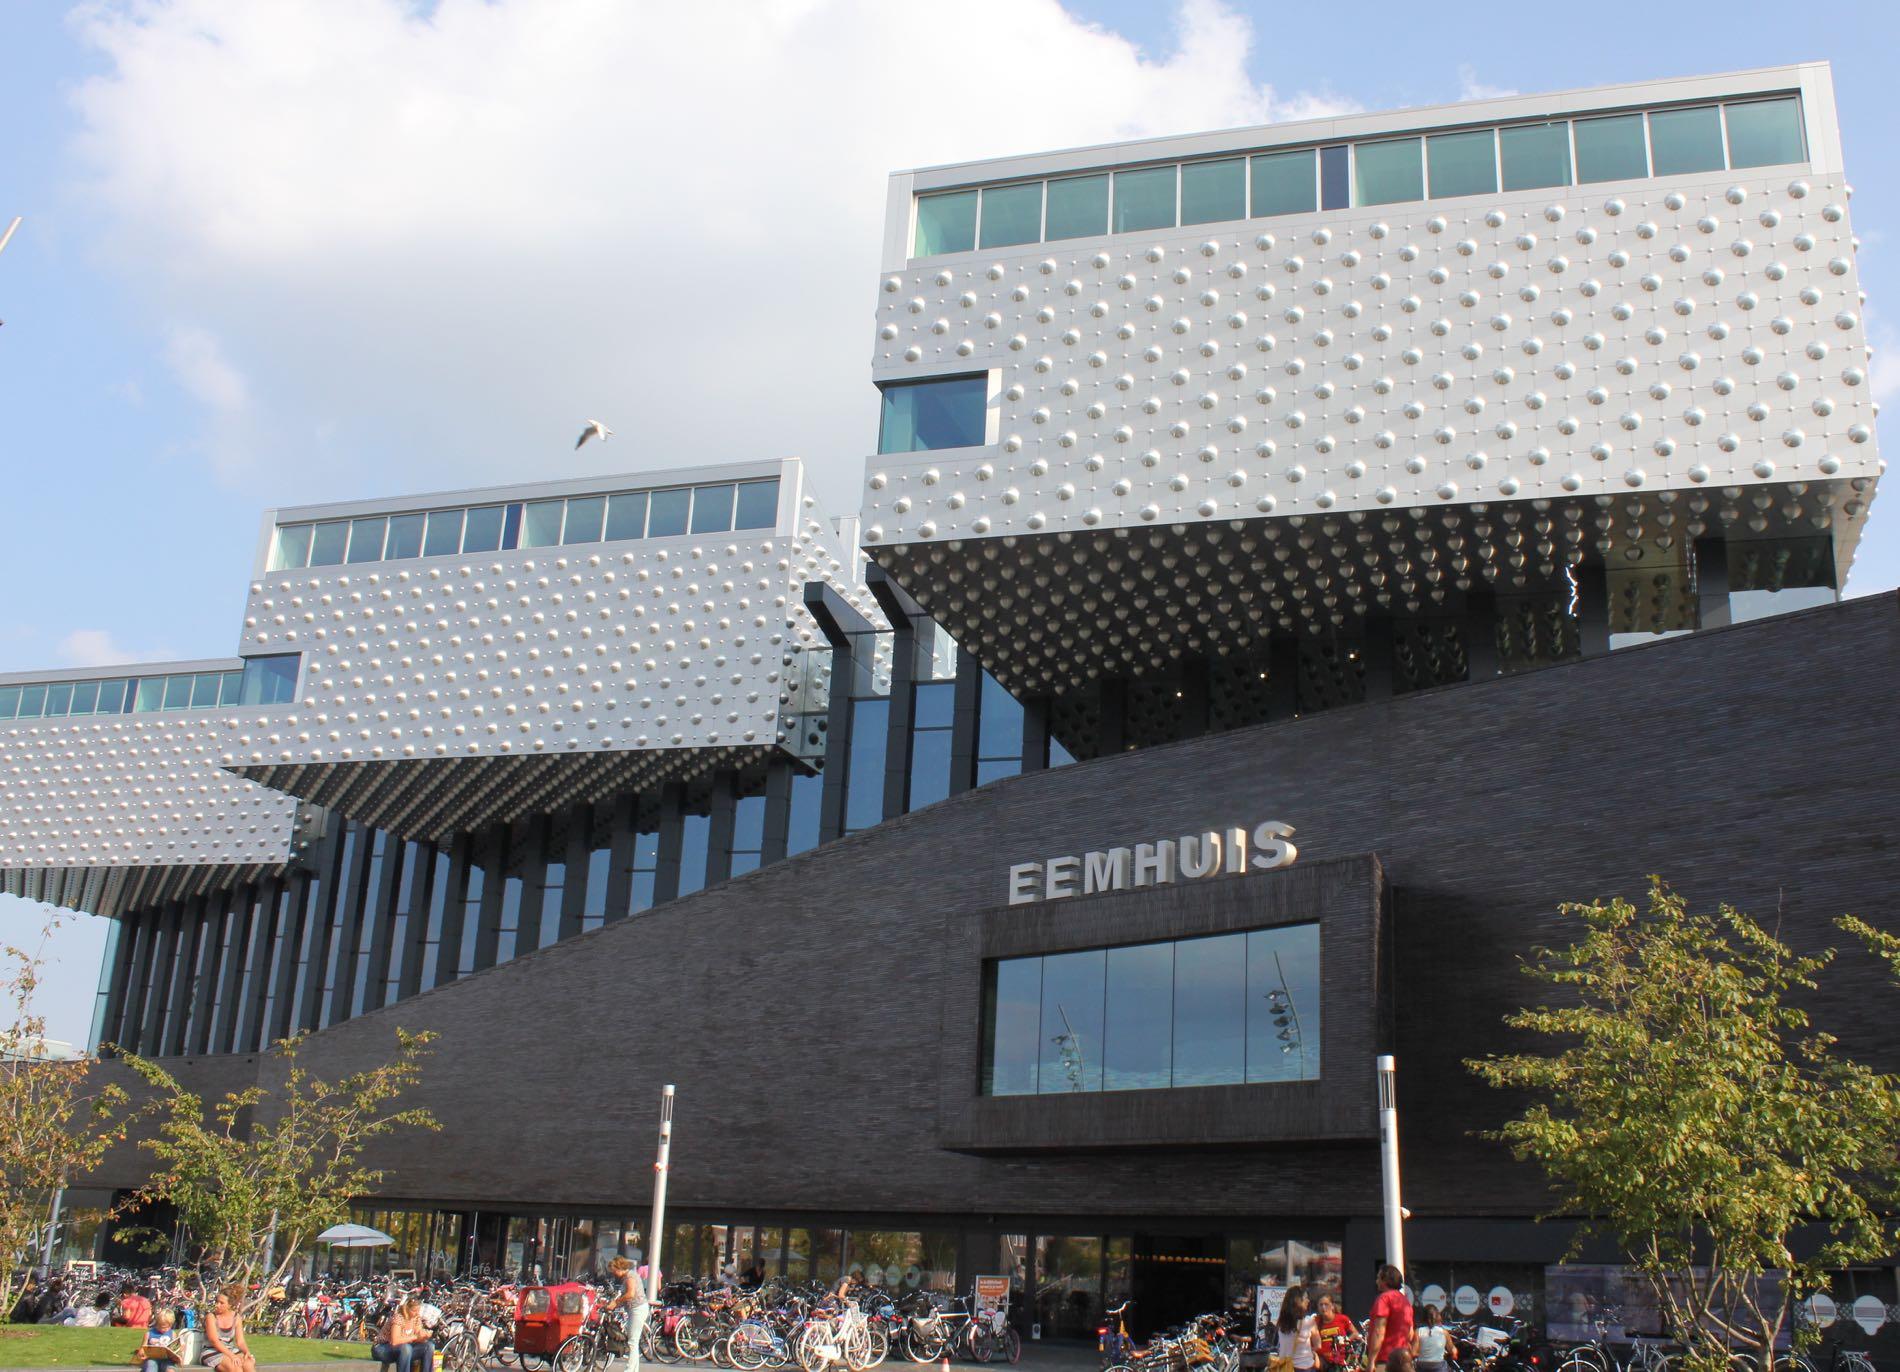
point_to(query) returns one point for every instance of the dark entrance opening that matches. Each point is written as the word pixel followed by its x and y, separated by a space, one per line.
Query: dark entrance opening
pixel 1175 1278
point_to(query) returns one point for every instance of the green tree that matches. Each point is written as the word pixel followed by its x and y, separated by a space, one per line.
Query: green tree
pixel 267 1170
pixel 56 1122
pixel 1690 1111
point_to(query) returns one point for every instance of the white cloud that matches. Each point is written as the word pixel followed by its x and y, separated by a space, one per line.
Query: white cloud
pixel 97 648
pixel 437 241
pixel 1471 88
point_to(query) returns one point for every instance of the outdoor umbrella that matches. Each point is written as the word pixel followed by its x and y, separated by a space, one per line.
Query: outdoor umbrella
pixel 354 1236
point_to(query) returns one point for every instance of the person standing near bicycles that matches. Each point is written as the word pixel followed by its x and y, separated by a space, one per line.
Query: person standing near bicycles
pixel 1389 1327
pixel 1296 1351
pixel 1333 1333
pixel 632 1298
pixel 1432 1345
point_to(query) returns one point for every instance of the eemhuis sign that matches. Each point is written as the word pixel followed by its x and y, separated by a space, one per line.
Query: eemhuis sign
pixel 1228 852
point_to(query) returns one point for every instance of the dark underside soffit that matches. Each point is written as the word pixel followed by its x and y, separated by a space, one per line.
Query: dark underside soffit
pixel 1051 614
pixel 431 798
pixel 110 891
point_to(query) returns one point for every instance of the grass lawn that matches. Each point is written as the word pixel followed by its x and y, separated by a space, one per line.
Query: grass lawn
pixel 55 1345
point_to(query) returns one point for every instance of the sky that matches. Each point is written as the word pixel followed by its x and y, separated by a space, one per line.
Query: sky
pixel 277 252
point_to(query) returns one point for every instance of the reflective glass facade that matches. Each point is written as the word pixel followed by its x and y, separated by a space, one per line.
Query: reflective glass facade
pixel 1216 1011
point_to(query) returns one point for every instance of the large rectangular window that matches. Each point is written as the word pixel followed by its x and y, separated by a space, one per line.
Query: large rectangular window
pixel 1012 215
pixel 269 680
pixel 1611 149
pixel 1765 133
pixel 1463 163
pixel 864 777
pixel 1144 199
pixel 932 714
pixel 1387 172
pixel 757 506
pixel 1285 183
pixel 1214 1011
pixel 1535 156
pixel 1214 191
pixel 1078 207
pixel 946 223
pixel 666 512
pixel 999 733
pixel 1335 179
pixel 919 416
pixel 1684 141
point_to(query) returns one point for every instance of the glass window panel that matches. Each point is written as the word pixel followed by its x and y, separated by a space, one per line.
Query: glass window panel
pixel 1013 989
pixel 85 697
pixel 1387 172
pixel 758 505
pixel 1012 214
pixel 269 680
pixel 205 687
pixel 1284 183
pixel 864 781
pixel 1068 1285
pixel 1140 1017
pixel 995 769
pixel 999 733
pixel 946 223
pixel 1535 156
pixel 626 516
pixel 1072 1022
pixel 1214 191
pixel 405 536
pixel 1682 141
pixel 666 512
pixel 935 705
pixel 1610 149
pixel 328 542
pixel 1078 207
pixel 59 700
pixel 801 832
pixel 1144 199
pixel 366 539
pixel 1058 755
pixel 712 509
pixel 511 526
pixel 178 692
pixel 694 830
pixel 1210 1010
pixel 748 823
pixel 541 523
pixel 230 688
pixel 1283 1004
pixel 482 531
pixel 444 535
pixel 584 517
pixel 1335 179
pixel 929 767
pixel 32 702
pixel 150 695
pixel 111 697
pixel 292 548
pixel 9 702
pixel 1463 163
pixel 1765 133
pixel 924 415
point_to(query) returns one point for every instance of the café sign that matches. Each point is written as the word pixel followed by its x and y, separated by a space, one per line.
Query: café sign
pixel 1214 853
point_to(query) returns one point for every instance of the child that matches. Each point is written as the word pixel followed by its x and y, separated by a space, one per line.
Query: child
pixel 160 1350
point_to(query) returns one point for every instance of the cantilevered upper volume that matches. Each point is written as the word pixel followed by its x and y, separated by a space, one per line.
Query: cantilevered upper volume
pixel 432 665
pixel 1171 397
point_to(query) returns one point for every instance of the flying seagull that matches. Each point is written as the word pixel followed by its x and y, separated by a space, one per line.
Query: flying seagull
pixel 594 429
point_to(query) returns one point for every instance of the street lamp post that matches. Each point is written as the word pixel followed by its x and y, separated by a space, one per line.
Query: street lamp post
pixel 661 1165
pixel 1389 1160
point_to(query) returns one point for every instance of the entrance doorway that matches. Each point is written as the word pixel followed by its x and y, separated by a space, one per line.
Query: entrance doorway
pixel 1174 1278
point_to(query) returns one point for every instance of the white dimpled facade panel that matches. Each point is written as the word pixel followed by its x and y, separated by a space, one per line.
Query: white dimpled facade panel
pixel 1669 334
pixel 137 790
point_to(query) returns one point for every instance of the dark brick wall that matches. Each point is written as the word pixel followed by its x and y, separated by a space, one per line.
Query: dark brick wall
pixel 803 1009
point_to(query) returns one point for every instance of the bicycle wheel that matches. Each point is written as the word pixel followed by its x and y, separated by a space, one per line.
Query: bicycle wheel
pixel 880 1345
pixel 722 1351
pixel 1583 1360
pixel 692 1338
pixel 458 1354
pixel 1012 1344
pixel 749 1346
pixel 656 1347
pixel 571 1356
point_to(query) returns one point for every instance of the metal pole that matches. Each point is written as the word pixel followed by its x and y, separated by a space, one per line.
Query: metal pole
pixel 52 1225
pixel 661 1164
pixel 1389 1160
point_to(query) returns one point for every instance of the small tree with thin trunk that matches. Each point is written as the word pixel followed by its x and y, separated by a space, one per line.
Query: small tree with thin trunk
pixel 56 1122
pixel 1689 1110
pixel 267 1170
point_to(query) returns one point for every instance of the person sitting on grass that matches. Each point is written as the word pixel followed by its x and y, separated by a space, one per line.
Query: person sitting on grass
pixel 135 1309
pixel 159 1352
pixel 224 1334
pixel 97 1315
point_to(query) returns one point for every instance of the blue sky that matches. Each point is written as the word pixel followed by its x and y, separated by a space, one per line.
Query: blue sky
pixel 280 251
